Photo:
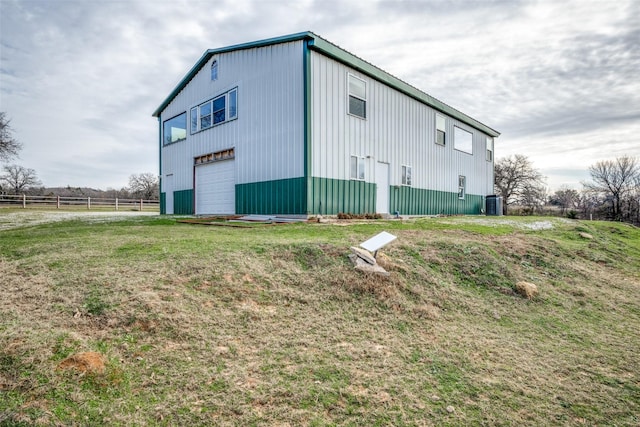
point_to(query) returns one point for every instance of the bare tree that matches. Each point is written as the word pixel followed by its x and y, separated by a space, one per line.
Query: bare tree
pixel 615 180
pixel 566 198
pixel 514 175
pixel 9 146
pixel 144 185
pixel 533 196
pixel 18 179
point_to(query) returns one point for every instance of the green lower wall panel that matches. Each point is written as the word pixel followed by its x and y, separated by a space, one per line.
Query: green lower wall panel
pixel 183 202
pixel 279 197
pixel 163 203
pixel 417 201
pixel 331 196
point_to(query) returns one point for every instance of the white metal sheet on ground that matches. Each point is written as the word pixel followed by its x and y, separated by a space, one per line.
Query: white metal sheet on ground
pixel 378 241
pixel 215 188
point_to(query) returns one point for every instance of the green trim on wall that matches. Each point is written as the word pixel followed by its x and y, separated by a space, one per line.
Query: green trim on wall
pixel 417 201
pixel 163 203
pixel 160 155
pixel 306 73
pixel 279 197
pixel 183 202
pixel 331 196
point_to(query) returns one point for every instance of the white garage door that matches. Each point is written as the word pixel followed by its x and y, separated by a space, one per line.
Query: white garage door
pixel 215 188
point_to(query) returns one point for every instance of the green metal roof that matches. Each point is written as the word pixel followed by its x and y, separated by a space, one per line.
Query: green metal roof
pixel 324 47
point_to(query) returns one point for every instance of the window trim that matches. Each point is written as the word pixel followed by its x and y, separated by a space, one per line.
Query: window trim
pixel 361 168
pixel 210 101
pixel 403 175
pixel 350 95
pixel 164 143
pixel 462 187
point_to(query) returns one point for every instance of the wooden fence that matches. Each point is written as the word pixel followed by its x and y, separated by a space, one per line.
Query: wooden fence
pixel 61 202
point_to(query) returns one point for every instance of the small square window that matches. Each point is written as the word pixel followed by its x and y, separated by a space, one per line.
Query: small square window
pixel 462 186
pixel 462 140
pixel 406 175
pixel 205 115
pixel 489 149
pixel 441 133
pixel 357 96
pixel 357 167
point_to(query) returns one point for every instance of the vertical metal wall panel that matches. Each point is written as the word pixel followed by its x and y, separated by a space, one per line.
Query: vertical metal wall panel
pixel 268 135
pixel 398 130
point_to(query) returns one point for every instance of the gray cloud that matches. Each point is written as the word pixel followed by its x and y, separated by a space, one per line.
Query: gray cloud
pixel 81 79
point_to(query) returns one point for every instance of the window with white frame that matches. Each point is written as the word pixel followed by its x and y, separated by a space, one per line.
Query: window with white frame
pixel 441 133
pixel 462 186
pixel 218 110
pixel 462 140
pixel 406 175
pixel 356 166
pixel 489 149
pixel 214 70
pixel 175 129
pixel 357 96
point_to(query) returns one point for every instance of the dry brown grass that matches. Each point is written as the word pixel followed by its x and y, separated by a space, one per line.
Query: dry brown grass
pixel 224 327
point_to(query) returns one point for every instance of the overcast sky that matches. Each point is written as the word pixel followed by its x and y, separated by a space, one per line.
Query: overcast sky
pixel 559 79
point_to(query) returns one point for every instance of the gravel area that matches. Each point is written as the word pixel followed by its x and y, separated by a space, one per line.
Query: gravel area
pixel 29 218
pixel 524 225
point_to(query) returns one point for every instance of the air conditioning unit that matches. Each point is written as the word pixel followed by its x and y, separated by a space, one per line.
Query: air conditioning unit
pixel 494 205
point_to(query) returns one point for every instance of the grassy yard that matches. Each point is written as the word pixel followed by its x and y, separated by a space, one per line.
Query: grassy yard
pixel 271 325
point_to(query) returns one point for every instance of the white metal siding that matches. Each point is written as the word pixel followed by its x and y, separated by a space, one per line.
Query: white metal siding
pixel 215 188
pixel 398 130
pixel 268 133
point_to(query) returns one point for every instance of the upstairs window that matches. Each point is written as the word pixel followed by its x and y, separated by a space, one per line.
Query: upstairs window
pixel 462 186
pixel 218 110
pixel 441 133
pixel 489 149
pixel 233 104
pixel 214 70
pixel 462 140
pixel 175 129
pixel 406 175
pixel 357 168
pixel 357 97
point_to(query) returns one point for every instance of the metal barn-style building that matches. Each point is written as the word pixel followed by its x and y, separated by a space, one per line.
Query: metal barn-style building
pixel 297 126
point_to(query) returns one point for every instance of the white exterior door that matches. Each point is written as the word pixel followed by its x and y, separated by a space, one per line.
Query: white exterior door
pixel 168 194
pixel 382 188
pixel 215 188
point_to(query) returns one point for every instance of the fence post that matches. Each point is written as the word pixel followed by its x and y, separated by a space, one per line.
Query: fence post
pixel 140 205
pixel 116 203
pixel 89 202
pixel 24 201
pixel 58 202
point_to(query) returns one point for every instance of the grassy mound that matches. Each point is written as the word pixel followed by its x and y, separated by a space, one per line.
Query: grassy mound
pixel 273 326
